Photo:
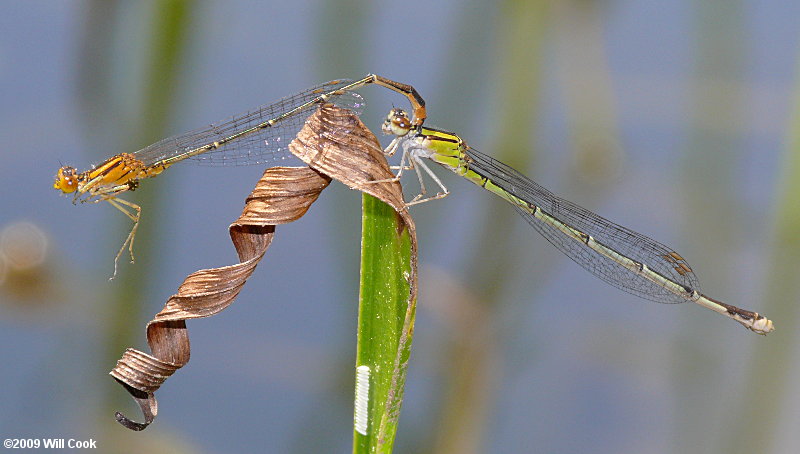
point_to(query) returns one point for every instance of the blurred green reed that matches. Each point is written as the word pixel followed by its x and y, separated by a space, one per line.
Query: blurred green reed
pixel 164 37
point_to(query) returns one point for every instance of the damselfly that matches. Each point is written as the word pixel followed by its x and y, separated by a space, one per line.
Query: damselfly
pixel 623 258
pixel 258 136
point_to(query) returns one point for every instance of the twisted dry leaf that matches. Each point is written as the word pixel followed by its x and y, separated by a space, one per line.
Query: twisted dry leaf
pixel 282 195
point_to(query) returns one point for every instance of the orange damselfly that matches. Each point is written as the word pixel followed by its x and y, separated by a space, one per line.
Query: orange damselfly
pixel 258 136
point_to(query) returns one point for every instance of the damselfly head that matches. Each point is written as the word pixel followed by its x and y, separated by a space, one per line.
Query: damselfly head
pixel 397 123
pixel 66 180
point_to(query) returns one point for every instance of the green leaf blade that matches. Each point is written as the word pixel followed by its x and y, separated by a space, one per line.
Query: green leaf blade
pixel 385 322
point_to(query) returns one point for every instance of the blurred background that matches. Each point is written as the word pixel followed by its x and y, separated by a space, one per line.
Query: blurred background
pixel 676 119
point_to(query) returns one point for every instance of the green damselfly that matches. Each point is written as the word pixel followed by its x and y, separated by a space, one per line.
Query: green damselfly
pixel 621 257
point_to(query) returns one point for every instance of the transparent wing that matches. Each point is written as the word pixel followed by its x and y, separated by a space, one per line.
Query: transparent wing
pixel 626 242
pixel 255 137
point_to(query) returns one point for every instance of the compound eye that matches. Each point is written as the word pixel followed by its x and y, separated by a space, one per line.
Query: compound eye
pixel 66 180
pixel 401 121
pixel 397 123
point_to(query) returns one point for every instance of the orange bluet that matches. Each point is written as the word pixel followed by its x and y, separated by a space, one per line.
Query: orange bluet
pixel 255 137
pixel 621 257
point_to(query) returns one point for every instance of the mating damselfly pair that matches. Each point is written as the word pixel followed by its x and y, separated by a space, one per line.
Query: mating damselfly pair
pixel 621 257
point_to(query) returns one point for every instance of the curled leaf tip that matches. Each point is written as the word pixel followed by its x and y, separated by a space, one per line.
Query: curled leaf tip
pixel 282 195
pixel 132 425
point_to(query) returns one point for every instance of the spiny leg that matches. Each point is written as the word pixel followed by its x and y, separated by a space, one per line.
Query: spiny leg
pixel 402 165
pixel 109 194
pixel 417 164
pixel 389 151
pixel 422 189
pixel 93 189
pixel 102 194
pixel 118 204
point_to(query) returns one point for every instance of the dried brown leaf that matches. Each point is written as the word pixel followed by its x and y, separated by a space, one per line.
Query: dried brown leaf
pixel 283 194
pixel 323 145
